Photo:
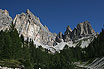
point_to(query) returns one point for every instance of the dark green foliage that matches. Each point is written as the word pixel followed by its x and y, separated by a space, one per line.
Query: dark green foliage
pixel 96 48
pixel 10 44
pixel 13 47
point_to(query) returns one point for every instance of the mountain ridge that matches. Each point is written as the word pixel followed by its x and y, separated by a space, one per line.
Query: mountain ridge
pixel 29 25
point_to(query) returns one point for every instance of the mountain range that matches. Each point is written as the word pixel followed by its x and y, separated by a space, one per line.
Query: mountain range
pixel 30 27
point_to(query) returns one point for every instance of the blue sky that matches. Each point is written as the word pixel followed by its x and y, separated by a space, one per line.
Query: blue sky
pixel 57 14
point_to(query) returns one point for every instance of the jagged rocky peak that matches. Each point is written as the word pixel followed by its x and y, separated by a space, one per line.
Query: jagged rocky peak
pixel 46 28
pixel 31 15
pixel 4 12
pixel 85 28
pixel 67 34
pixel 82 30
pixel 59 37
pixel 5 19
pixel 30 27
pixel 68 28
pixel 28 11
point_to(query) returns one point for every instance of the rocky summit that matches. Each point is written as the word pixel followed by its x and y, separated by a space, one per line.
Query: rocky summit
pixel 82 30
pixel 67 34
pixel 5 19
pixel 29 25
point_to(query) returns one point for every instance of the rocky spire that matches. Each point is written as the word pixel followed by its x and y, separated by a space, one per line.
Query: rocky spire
pixel 4 12
pixel 68 28
pixel 83 29
pixel 29 25
pixel 5 19
pixel 67 34
pixel 28 12
pixel 59 37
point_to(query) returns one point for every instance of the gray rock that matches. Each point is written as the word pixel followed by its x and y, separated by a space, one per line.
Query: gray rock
pixel 98 63
pixel 5 20
pixel 30 27
pixel 67 34
pixel 82 30
pixel 59 37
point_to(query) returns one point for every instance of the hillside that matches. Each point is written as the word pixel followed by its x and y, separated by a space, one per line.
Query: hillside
pixel 27 44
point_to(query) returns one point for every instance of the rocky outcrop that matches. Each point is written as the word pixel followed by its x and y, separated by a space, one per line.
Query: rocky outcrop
pixel 59 37
pixel 67 34
pixel 98 63
pixel 5 20
pixel 81 36
pixel 8 68
pixel 30 27
pixel 82 30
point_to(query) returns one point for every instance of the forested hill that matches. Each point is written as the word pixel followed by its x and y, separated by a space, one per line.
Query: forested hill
pixel 96 47
pixel 17 53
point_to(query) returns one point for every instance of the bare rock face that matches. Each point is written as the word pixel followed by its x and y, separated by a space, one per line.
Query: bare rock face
pixel 5 20
pixel 30 27
pixel 82 30
pixel 85 28
pixel 68 29
pixel 67 34
pixel 59 37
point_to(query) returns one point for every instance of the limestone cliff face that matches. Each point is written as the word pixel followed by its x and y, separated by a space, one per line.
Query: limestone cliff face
pixel 81 36
pixel 67 34
pixel 5 19
pixel 59 37
pixel 30 27
pixel 82 30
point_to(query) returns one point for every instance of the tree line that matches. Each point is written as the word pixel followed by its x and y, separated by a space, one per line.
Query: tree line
pixel 15 52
